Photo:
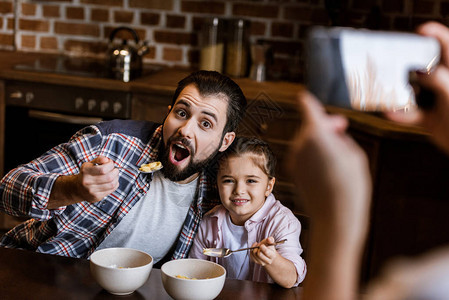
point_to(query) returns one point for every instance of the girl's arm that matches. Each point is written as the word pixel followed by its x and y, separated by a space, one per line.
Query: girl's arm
pixel 199 242
pixel 280 269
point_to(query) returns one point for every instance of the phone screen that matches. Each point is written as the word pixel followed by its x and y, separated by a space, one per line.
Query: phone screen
pixel 367 70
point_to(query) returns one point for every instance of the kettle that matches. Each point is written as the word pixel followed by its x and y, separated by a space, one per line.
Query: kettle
pixel 125 61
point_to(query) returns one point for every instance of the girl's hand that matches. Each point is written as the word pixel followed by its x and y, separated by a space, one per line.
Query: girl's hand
pixel 281 270
pixel 266 253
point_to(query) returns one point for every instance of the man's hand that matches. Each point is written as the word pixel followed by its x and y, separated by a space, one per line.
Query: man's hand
pixel 96 180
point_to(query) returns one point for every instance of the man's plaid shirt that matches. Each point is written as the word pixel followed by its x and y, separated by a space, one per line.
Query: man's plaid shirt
pixel 76 230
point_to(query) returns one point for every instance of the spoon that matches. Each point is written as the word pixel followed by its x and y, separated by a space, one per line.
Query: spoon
pixel 145 172
pixel 141 169
pixel 225 252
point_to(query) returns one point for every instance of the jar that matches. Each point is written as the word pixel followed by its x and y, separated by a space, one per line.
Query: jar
pixel 237 49
pixel 259 56
pixel 212 45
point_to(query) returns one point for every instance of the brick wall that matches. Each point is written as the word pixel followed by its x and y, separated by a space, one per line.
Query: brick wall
pixel 7 25
pixel 171 27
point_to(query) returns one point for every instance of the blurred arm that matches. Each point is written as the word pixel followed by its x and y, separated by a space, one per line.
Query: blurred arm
pixel 332 175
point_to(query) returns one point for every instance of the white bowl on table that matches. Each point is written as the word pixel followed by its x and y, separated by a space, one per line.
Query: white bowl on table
pixel 205 279
pixel 120 271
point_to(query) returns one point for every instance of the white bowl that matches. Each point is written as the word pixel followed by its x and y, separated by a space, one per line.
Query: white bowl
pixel 120 271
pixel 208 283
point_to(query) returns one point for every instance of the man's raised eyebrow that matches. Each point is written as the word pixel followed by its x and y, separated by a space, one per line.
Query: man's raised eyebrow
pixel 186 103
pixel 183 102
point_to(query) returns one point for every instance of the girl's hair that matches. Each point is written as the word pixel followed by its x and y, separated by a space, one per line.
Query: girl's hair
pixel 263 155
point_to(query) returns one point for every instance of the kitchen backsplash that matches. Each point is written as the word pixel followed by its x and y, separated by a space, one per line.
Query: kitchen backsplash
pixel 171 27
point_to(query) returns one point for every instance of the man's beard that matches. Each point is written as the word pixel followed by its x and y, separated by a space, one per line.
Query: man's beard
pixel 171 172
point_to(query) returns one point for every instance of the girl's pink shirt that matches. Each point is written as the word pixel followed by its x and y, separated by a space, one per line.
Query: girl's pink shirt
pixel 272 219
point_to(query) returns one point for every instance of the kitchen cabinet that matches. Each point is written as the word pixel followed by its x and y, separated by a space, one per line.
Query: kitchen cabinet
pixel 151 107
pixel 410 199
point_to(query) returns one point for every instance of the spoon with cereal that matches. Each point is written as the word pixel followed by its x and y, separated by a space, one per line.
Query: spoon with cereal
pixel 225 252
pixel 151 167
pixel 146 168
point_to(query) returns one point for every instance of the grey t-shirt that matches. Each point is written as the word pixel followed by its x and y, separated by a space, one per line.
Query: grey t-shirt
pixel 154 223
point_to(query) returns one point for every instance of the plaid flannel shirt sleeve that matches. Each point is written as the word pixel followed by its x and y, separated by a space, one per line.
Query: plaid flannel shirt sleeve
pixel 25 190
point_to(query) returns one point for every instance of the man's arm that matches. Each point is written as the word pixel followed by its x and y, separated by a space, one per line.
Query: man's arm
pixel 55 179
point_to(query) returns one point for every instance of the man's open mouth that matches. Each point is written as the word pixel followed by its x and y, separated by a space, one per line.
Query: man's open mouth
pixel 178 153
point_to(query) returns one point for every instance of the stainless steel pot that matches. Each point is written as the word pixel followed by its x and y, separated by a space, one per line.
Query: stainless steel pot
pixel 125 60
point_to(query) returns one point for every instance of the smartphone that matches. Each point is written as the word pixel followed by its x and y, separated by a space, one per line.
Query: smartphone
pixel 367 70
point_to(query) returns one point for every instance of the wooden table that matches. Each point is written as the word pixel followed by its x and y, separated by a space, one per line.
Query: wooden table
pixel 31 275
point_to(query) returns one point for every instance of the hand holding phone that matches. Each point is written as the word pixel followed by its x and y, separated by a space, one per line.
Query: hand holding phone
pixel 367 70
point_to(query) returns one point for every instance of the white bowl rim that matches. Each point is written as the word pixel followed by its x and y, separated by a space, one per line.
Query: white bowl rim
pixel 120 248
pixel 194 259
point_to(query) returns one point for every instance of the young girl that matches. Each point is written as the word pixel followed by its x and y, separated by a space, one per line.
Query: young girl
pixel 250 216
